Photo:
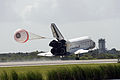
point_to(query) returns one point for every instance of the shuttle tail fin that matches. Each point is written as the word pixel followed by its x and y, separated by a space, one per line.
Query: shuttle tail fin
pixel 56 33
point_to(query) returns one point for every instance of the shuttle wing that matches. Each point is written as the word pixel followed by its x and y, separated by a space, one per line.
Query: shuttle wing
pixel 47 54
pixel 56 32
pixel 81 51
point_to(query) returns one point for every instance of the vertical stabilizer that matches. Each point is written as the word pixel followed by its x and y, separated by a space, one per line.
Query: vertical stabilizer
pixel 56 32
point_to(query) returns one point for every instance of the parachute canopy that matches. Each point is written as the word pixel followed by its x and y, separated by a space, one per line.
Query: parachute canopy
pixel 21 36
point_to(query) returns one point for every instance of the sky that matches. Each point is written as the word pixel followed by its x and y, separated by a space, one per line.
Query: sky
pixel 75 18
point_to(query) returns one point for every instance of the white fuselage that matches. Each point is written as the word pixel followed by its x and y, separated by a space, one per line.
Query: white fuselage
pixel 79 43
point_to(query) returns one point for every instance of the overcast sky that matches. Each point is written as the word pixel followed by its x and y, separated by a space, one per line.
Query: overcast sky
pixel 74 18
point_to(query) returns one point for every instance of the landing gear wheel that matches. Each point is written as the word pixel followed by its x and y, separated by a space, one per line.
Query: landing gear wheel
pixel 77 58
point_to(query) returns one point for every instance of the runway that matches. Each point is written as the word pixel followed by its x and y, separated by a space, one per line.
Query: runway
pixel 57 62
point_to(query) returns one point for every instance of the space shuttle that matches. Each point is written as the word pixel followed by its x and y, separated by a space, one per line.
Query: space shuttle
pixel 61 47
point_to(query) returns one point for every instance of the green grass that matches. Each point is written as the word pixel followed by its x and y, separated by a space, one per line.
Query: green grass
pixel 61 72
pixel 13 75
pixel 76 73
pixel 5 71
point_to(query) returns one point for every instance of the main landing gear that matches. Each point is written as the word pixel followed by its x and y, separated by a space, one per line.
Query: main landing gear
pixel 77 57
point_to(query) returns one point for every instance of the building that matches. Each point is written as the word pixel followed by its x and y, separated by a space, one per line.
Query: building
pixel 101 45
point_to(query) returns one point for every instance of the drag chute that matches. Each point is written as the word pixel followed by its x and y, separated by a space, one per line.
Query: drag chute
pixel 23 36
pixel 33 36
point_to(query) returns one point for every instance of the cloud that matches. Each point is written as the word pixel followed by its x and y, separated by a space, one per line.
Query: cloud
pixel 71 10
pixel 8 13
pixel 84 10
pixel 40 11
pixel 62 11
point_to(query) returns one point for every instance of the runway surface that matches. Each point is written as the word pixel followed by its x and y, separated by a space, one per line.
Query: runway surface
pixel 57 62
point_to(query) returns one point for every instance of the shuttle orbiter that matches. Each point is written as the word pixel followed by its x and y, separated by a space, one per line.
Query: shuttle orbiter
pixel 62 47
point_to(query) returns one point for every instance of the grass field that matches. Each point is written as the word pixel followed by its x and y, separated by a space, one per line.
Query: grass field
pixel 42 69
pixel 51 72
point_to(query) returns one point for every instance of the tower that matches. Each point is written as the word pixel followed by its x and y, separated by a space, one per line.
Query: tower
pixel 101 45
